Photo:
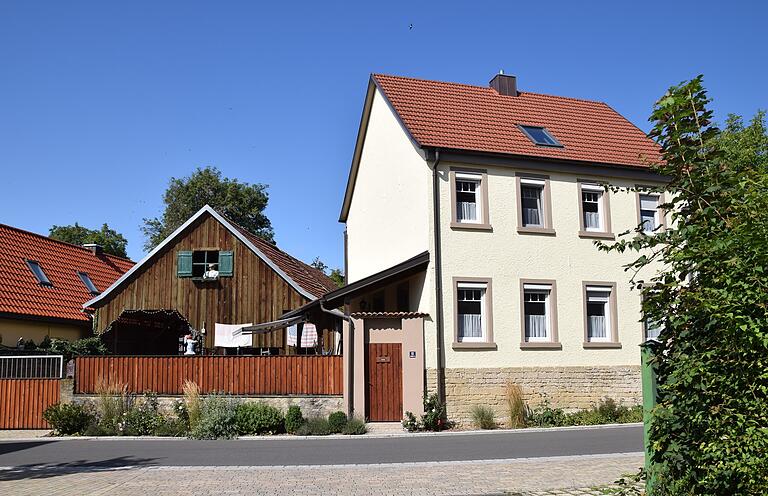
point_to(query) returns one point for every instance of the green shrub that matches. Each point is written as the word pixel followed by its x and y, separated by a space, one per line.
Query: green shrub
pixel 410 423
pixel 354 427
pixel 435 417
pixel 546 416
pixel 143 418
pixel 293 419
pixel 631 414
pixel 217 419
pixel 483 417
pixel 258 418
pixel 337 421
pixel 68 418
pixel 171 427
pixel 315 426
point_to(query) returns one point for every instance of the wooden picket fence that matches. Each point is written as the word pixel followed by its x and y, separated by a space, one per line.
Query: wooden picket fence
pixel 238 375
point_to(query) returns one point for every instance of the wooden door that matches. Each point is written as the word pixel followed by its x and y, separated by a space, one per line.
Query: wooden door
pixel 384 370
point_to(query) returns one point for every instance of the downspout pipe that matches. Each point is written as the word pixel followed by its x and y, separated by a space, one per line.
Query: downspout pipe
pixel 440 328
pixel 350 358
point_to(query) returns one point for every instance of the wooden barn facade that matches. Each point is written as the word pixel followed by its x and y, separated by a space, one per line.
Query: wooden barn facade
pixel 209 271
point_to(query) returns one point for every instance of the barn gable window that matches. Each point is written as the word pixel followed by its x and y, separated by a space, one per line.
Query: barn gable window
pixel 204 264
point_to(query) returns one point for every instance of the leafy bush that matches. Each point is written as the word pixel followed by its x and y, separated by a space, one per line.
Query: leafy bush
pixel 354 427
pixel 70 349
pixel 709 430
pixel 142 419
pixel 515 405
pixel 171 427
pixel 315 426
pixel 68 418
pixel 435 417
pixel 293 419
pixel 217 419
pixel 258 418
pixel 410 423
pixel 546 416
pixel 483 417
pixel 337 421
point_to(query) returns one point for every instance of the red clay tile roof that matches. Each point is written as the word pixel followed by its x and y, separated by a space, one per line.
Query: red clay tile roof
pixel 20 292
pixel 476 118
pixel 309 278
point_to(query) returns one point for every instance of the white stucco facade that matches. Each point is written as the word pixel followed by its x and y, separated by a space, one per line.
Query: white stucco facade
pixel 506 256
pixel 388 215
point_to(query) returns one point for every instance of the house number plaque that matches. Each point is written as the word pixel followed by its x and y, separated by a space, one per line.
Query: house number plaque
pixel 382 359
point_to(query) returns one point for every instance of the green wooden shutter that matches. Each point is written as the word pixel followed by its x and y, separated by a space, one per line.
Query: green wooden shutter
pixel 226 263
pixel 184 264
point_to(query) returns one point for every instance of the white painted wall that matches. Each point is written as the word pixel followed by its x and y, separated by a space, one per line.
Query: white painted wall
pixel 388 216
pixel 507 256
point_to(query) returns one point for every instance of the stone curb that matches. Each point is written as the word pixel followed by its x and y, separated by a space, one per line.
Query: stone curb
pixel 382 435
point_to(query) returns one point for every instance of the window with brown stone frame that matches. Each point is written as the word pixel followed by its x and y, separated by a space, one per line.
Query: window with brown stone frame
pixel 534 204
pixel 600 315
pixel 473 316
pixel 594 211
pixel 469 199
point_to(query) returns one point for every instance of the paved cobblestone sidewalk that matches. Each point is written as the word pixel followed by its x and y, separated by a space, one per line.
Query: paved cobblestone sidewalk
pixel 529 476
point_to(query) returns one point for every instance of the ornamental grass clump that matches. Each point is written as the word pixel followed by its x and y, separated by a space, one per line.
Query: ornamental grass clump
pixel 515 405
pixel 112 404
pixel 483 417
pixel 191 407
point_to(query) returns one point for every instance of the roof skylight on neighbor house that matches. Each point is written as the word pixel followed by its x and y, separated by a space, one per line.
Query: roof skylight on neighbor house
pixel 540 135
pixel 89 285
pixel 34 266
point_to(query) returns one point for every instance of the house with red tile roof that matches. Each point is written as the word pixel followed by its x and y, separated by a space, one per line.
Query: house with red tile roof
pixel 45 282
pixel 209 274
pixel 471 218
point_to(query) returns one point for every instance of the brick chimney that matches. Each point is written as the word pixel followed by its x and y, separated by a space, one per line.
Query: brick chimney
pixel 504 85
pixel 95 249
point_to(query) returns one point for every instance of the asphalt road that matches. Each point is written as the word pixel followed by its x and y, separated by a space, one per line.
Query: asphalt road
pixel 363 450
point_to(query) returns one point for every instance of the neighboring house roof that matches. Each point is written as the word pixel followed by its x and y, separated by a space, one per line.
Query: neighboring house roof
pixel 22 295
pixel 306 280
pixel 463 117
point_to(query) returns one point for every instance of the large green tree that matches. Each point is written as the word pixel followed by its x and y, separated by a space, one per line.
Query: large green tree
pixel 709 431
pixel 242 202
pixel 112 241
pixel 336 275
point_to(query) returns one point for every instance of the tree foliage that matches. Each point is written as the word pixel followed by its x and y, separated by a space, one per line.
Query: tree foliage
pixel 336 275
pixel 709 432
pixel 242 202
pixel 112 241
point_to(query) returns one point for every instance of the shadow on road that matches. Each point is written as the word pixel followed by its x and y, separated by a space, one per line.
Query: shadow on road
pixel 10 447
pixel 43 471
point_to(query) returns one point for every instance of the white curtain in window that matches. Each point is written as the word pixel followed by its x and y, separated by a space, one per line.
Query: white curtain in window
pixel 536 326
pixel 531 216
pixel 470 326
pixel 466 211
pixel 648 219
pixel 652 329
pixel 597 326
pixel 592 220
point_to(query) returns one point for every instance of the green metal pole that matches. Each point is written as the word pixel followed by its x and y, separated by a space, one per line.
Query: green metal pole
pixel 649 401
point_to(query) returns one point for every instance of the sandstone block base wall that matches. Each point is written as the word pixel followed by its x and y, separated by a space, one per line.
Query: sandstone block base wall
pixel 311 406
pixel 569 388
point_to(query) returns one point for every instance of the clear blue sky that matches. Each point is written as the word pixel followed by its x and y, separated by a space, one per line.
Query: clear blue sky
pixel 100 103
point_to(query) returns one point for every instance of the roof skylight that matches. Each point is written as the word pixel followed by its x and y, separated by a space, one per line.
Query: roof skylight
pixel 88 283
pixel 34 266
pixel 540 136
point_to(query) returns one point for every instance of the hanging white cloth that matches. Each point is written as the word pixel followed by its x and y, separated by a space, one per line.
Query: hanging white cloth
pixel 224 336
pixel 309 335
pixel 292 331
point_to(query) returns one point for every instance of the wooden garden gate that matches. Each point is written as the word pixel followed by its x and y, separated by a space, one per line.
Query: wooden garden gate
pixel 384 371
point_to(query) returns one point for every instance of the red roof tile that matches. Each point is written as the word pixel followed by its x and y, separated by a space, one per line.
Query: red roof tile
pixel 20 292
pixel 476 118
pixel 312 280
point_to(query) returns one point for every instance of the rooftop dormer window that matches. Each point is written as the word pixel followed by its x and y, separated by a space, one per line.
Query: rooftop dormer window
pixel 540 136
pixel 88 283
pixel 42 279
